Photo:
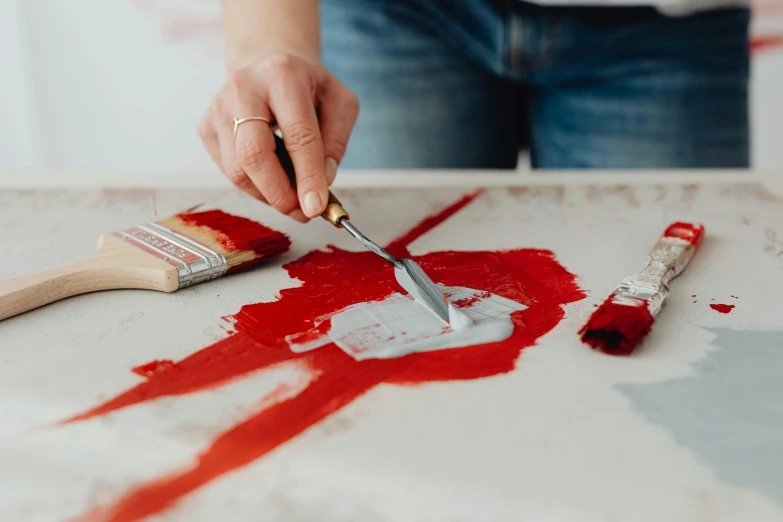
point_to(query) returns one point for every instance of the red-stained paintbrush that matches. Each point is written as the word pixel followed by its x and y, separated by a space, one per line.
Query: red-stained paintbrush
pixel 627 315
pixel 174 253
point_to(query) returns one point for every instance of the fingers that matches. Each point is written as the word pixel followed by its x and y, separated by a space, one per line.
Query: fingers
pixel 209 138
pixel 255 151
pixel 231 167
pixel 244 158
pixel 292 99
pixel 286 90
pixel 219 145
pixel 339 110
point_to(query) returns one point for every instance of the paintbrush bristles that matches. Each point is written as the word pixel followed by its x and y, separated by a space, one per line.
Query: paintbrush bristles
pixel 617 328
pixel 241 241
pixel 623 320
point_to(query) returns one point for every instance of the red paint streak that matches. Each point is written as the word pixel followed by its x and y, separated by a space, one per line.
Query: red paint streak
pixel 151 368
pixel 694 295
pixel 399 247
pixel 333 279
pixel 236 233
pixel 690 232
pixel 470 301
pixel 722 308
pixel 617 329
pixel 320 329
pixel 766 43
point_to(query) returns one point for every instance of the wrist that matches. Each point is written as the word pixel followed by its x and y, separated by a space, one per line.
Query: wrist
pixel 245 57
pixel 259 29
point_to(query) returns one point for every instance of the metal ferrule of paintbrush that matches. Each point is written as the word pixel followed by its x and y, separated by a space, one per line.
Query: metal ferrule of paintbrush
pixel 668 258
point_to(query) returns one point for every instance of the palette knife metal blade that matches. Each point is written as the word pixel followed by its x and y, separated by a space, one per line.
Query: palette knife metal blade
pixel 408 274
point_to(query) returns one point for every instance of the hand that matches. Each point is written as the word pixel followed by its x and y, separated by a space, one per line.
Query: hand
pixel 316 114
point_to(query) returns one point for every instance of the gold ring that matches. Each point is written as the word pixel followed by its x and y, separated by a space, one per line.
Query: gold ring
pixel 237 122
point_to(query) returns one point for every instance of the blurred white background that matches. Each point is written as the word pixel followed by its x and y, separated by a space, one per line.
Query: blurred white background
pixel 113 89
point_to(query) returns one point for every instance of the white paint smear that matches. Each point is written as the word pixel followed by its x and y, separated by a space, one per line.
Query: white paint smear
pixel 399 325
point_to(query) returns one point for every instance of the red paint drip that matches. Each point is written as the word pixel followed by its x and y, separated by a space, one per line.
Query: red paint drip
pixel 722 308
pixel 734 297
pixel 151 368
pixel 317 332
pixel 236 233
pixel 690 232
pixel 470 301
pixel 333 279
pixel 399 247
pixel 617 329
pixel 766 43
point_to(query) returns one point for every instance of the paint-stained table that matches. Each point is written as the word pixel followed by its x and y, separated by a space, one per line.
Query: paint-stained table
pixel 221 421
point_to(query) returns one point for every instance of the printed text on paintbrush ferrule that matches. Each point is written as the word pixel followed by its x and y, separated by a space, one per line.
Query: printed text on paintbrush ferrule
pixel 195 263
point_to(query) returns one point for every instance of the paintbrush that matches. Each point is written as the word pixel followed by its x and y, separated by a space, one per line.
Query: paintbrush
pixel 408 274
pixel 627 315
pixel 174 253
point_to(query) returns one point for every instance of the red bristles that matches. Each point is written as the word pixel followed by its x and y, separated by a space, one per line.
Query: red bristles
pixel 243 242
pixel 617 328
pixel 693 233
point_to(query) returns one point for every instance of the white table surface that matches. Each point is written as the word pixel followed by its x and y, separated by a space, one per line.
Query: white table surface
pixel 689 428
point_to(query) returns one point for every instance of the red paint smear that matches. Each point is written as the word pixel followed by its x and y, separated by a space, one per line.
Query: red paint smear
pixel 317 332
pixel 333 279
pixel 399 247
pixel 722 308
pixel 236 233
pixel 151 368
pixel 766 43
pixel 617 329
pixel 470 301
pixel 690 232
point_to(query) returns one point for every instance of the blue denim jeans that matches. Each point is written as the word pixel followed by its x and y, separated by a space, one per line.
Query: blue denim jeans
pixel 446 84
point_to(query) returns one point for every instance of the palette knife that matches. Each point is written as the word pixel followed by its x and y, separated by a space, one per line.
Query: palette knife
pixel 408 274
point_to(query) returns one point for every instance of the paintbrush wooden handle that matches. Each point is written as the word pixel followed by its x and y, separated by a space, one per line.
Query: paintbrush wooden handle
pixel 334 209
pixel 115 265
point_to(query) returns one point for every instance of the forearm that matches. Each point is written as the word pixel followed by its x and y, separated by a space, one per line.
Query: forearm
pixel 255 29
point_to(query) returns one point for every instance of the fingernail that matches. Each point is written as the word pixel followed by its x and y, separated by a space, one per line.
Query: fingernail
pixel 331 170
pixel 312 204
pixel 298 215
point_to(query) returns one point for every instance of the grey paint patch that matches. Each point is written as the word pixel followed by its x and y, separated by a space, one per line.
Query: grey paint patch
pixel 730 413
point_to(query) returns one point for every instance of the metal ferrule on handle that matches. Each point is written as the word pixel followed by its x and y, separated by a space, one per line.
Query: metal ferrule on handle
pixel 195 263
pixel 335 212
pixel 668 258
